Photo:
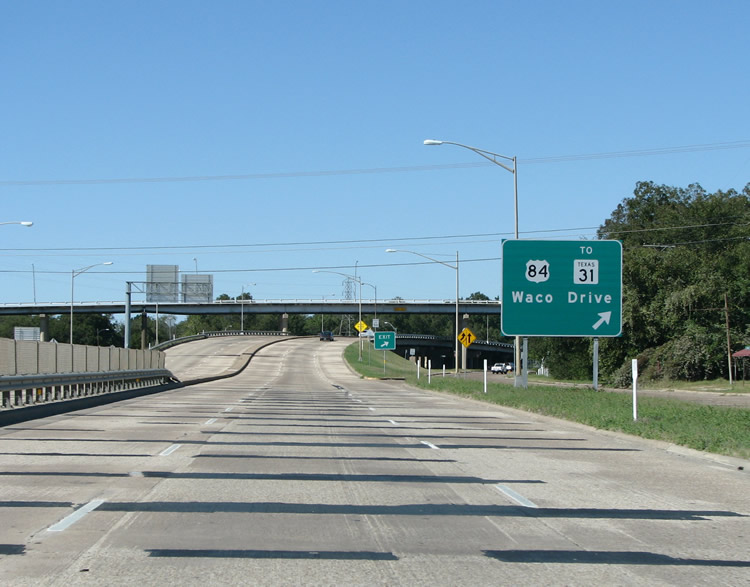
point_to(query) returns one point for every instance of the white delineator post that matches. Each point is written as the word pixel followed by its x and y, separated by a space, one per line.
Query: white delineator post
pixel 635 389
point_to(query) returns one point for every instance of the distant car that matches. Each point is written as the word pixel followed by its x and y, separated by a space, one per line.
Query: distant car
pixel 498 368
pixel 326 335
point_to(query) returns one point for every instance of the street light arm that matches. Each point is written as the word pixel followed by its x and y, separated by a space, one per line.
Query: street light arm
pixel 421 255
pixel 77 272
pixel 357 279
pixel 21 222
pixel 489 155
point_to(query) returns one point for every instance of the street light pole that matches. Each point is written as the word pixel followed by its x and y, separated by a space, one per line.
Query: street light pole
pixel 75 273
pixel 493 157
pixel 376 297
pixel 447 265
pixel 356 280
pixel 97 334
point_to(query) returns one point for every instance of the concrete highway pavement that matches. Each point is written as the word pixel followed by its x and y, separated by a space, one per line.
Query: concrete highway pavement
pixel 213 356
pixel 299 472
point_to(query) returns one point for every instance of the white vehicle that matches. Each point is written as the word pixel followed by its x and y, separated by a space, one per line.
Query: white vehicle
pixel 498 368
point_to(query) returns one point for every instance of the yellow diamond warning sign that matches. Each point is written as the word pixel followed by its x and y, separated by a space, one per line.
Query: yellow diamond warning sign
pixel 466 337
pixel 360 326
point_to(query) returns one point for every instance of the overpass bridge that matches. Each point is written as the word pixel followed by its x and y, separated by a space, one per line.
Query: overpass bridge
pixel 281 306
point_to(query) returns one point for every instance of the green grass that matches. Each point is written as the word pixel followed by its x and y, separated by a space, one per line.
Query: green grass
pixel 372 363
pixel 719 430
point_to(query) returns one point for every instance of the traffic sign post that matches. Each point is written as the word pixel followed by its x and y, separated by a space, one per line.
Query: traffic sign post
pixel 561 288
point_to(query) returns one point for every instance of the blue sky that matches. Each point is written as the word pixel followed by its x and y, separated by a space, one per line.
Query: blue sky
pixel 260 140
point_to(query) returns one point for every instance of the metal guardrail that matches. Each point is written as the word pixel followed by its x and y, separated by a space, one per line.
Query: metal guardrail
pixel 203 335
pixel 18 391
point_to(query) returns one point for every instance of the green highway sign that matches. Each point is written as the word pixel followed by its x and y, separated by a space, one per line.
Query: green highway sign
pixel 561 288
pixel 385 341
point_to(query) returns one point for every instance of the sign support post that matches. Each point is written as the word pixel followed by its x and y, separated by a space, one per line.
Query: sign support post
pixel 596 363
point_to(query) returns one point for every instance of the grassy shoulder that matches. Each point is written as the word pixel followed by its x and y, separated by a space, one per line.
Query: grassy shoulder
pixel 713 429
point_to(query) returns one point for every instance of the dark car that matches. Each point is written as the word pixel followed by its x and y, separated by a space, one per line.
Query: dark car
pixel 326 335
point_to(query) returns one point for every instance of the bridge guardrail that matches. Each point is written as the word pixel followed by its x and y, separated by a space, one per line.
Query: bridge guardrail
pixel 19 391
pixel 174 342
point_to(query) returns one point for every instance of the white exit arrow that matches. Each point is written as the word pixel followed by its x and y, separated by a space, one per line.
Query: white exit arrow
pixel 603 317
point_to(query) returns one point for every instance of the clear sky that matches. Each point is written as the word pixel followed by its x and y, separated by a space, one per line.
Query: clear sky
pixel 259 140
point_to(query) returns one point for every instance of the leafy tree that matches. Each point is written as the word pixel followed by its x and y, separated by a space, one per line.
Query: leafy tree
pixel 87 328
pixel 683 251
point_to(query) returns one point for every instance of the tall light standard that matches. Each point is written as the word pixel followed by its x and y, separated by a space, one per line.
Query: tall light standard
pixel 490 156
pixel 73 275
pixel 376 298
pixel 356 280
pixel 101 330
pixel 242 307
pixel 455 267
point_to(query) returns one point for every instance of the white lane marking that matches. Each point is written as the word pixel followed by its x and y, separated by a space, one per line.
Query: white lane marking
pixel 229 409
pixel 68 521
pixel 168 451
pixel 430 444
pixel 209 422
pixel 518 498
pixel 393 422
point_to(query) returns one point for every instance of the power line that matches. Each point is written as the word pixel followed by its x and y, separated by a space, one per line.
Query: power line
pixel 377 170
pixel 260 269
pixel 347 243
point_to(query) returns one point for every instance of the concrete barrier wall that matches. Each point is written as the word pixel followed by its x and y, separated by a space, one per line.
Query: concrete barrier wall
pixel 26 357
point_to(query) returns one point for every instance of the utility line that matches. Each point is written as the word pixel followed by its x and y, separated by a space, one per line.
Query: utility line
pixel 377 170
pixel 350 242
pixel 263 269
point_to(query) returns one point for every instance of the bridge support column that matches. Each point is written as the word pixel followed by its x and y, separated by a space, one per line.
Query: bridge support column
pixel 43 328
pixel 144 329
pixel 285 323
pixel 127 314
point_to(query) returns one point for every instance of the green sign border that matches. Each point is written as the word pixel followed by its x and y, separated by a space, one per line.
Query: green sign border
pixel 549 310
pixel 385 336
